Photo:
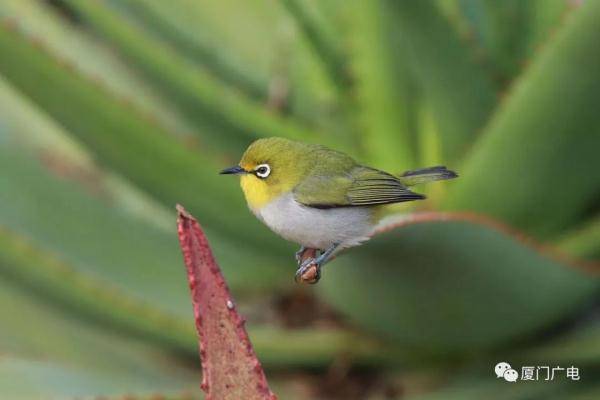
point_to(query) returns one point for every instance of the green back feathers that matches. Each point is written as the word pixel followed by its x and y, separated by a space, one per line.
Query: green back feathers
pixel 358 186
pixel 323 178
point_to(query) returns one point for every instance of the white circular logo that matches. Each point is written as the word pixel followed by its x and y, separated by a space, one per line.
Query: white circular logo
pixel 510 375
pixel 504 370
pixel 501 368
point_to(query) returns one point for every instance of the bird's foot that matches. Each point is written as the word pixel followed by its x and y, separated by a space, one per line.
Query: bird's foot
pixel 310 268
pixel 309 271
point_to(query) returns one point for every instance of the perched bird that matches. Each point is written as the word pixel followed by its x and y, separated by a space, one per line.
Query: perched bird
pixel 320 198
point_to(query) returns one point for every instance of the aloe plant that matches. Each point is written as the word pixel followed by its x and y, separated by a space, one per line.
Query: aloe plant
pixel 230 368
pixel 114 111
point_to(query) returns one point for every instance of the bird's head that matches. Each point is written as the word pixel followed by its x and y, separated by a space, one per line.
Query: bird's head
pixel 270 168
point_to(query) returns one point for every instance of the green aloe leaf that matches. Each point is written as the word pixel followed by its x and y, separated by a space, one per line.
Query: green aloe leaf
pixel 545 18
pixel 453 287
pixel 62 357
pixel 141 151
pixel 480 386
pixel 197 94
pixel 384 94
pixel 579 347
pixel 533 166
pixel 162 20
pixel 501 29
pixel 94 59
pixel 143 307
pixel 322 41
pixel 582 241
pixel 509 33
pixel 78 191
pixel 461 94
pixel 35 379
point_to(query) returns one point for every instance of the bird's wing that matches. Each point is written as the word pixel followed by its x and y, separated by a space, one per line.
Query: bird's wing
pixel 361 186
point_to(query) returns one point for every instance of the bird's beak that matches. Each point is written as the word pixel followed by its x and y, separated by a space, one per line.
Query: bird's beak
pixel 233 170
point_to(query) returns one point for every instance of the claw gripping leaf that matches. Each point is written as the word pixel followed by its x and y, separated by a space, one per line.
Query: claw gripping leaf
pixel 230 368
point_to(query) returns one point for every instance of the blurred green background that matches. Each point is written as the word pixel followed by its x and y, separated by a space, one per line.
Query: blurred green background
pixel 112 111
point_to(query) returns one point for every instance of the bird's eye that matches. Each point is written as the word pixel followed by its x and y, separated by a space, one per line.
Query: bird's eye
pixel 262 171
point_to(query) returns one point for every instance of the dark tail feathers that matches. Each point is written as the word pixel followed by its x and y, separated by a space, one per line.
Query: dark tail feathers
pixel 423 175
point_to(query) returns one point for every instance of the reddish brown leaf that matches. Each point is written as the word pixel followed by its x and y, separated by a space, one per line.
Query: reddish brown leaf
pixel 230 368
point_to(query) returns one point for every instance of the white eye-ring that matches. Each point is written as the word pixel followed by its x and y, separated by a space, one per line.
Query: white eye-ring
pixel 262 171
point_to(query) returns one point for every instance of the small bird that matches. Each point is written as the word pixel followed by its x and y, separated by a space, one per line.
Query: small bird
pixel 321 198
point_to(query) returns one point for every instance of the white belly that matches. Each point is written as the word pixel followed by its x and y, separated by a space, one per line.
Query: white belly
pixel 316 228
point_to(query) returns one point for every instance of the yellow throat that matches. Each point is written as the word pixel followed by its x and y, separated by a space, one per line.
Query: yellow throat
pixel 259 193
pixel 256 192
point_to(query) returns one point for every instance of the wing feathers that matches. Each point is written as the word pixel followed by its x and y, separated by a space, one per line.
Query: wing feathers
pixel 373 187
pixel 361 187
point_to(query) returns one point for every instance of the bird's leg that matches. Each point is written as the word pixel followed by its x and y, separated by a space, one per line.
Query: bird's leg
pixel 299 254
pixel 324 258
pixel 315 263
